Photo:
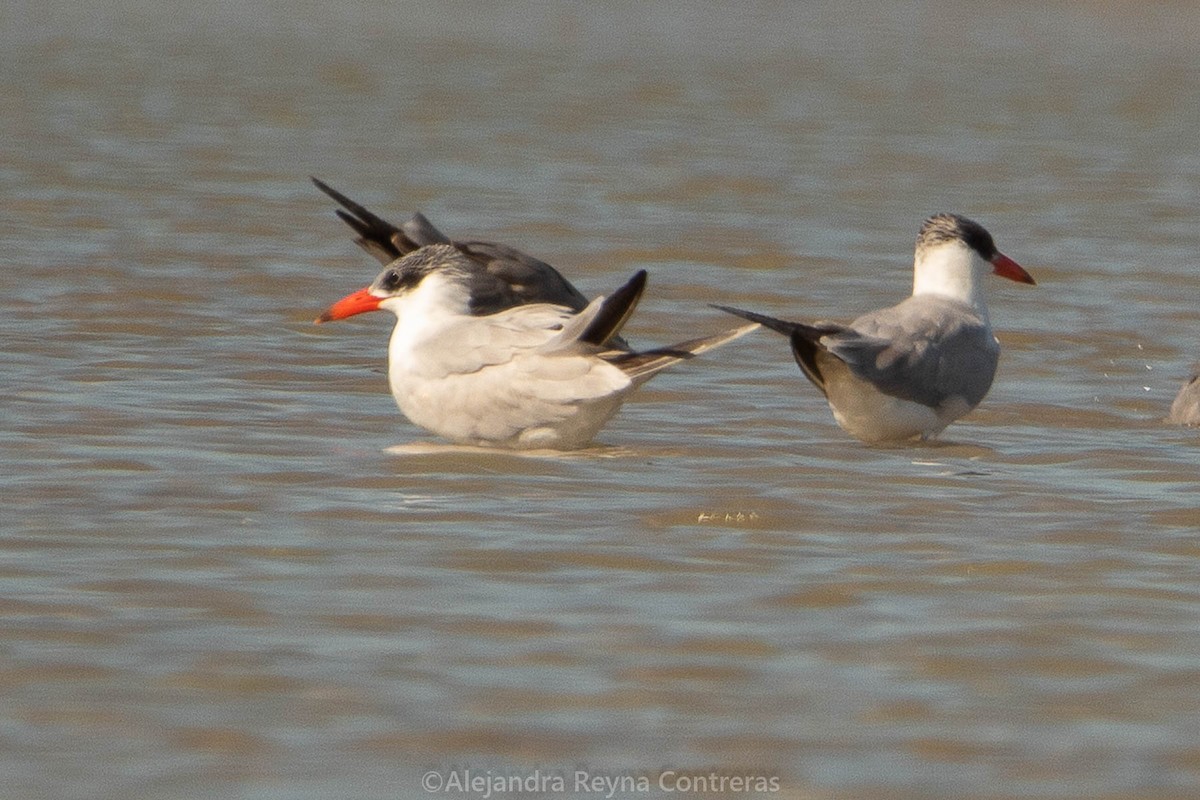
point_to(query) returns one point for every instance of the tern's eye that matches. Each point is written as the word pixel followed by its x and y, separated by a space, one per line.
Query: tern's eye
pixel 391 280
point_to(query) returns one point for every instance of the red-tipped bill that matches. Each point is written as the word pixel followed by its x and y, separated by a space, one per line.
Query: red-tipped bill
pixel 357 303
pixel 1005 267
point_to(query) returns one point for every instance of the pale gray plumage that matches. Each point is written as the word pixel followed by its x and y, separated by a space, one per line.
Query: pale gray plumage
pixel 532 376
pixel 928 349
pixel 910 370
pixel 931 353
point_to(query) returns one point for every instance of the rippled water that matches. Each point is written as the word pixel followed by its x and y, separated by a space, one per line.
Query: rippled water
pixel 229 568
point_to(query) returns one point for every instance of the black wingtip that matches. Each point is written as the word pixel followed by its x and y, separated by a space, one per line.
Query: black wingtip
pixel 324 187
pixel 638 280
pixel 349 204
pixel 629 294
pixel 616 310
pixel 359 227
pixel 782 326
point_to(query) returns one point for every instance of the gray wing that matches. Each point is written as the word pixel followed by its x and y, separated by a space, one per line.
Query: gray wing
pixel 508 277
pixel 516 278
pixel 597 325
pixel 926 350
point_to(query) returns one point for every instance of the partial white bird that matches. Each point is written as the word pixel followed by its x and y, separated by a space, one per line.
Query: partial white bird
pixel 532 376
pixel 1186 408
pixel 908 371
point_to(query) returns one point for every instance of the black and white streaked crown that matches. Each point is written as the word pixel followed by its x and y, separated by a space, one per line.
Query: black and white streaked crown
pixel 944 227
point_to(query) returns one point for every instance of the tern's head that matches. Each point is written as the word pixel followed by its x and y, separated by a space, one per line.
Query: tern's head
pixel 435 276
pixel 954 253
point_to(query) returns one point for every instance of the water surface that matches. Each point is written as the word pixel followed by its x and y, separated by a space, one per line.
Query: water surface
pixel 230 568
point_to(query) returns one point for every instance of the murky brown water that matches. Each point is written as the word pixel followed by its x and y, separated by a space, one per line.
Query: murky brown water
pixel 217 581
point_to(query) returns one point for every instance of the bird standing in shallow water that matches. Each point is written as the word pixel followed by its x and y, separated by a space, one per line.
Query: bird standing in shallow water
pixel 908 371
pixel 531 376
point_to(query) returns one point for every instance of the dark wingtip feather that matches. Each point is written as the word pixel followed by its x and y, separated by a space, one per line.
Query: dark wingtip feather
pixel 375 233
pixel 340 198
pixel 354 208
pixel 615 311
pixel 641 366
pixel 359 227
pixel 334 193
pixel 782 326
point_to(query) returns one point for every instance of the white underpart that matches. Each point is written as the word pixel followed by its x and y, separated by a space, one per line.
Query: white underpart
pixel 502 380
pixel 874 417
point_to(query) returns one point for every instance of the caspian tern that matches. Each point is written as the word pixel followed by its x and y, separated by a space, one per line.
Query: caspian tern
pixel 532 376
pixel 908 371
pixel 1185 410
